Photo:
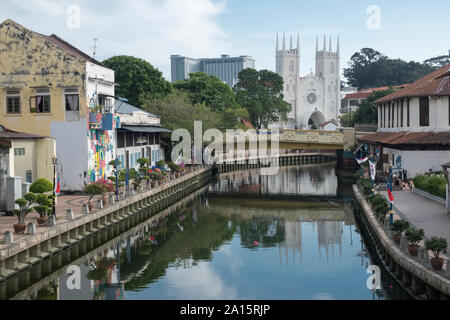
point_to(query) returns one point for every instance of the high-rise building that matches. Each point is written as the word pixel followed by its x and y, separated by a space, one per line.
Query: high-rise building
pixel 225 68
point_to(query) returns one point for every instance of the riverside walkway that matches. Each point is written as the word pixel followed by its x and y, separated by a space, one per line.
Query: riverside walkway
pixel 422 213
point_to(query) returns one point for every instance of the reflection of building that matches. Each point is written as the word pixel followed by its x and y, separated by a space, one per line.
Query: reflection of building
pixel 329 234
pixel 293 241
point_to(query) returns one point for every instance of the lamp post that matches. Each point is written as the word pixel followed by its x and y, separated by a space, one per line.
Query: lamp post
pixel 116 173
pixel 55 162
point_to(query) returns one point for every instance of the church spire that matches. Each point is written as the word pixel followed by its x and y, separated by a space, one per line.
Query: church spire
pixel 284 42
pixel 290 45
pixel 329 47
pixel 338 49
pixel 277 43
pixel 298 42
pixel 317 44
pixel 324 46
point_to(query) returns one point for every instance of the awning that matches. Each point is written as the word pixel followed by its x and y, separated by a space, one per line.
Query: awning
pixel 150 129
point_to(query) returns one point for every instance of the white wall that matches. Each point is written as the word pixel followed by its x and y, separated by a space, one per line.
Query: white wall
pixel 71 151
pixel 419 162
pixel 439 116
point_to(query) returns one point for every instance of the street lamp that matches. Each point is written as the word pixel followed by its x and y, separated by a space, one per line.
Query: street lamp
pixel 55 162
pixel 116 173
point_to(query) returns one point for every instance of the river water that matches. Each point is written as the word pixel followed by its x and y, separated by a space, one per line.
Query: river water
pixel 245 236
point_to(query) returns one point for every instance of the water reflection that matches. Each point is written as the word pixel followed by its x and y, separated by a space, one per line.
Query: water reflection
pixel 293 180
pixel 230 248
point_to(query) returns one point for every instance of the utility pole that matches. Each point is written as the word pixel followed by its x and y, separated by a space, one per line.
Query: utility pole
pixel 95 48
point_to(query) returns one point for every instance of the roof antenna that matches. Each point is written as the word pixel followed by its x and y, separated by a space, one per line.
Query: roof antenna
pixel 95 47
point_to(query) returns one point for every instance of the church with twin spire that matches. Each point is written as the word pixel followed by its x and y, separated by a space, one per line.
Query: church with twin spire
pixel 315 98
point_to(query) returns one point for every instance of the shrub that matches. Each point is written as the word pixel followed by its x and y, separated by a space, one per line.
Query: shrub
pixel 44 204
pixel 398 226
pixel 436 245
pixel 366 185
pixel 414 236
pixel 161 163
pixel 381 209
pixel 25 206
pixel 41 185
pixel 142 161
pixel 95 188
pixel 434 184
pixel 174 167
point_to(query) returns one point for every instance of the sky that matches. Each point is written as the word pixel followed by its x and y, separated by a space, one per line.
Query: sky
pixel 155 29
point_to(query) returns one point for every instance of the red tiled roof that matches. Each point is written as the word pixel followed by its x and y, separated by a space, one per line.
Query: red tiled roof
pixel 436 83
pixel 408 138
pixel 364 93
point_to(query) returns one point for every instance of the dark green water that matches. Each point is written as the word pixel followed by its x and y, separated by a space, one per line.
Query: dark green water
pixel 254 244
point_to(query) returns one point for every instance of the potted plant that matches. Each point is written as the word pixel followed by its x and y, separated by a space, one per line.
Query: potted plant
pixel 436 245
pixel 414 236
pixel 25 208
pixel 44 205
pixel 93 189
pixel 109 187
pixel 399 226
pixel 41 185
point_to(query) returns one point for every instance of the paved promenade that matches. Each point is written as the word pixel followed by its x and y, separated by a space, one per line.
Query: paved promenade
pixel 422 213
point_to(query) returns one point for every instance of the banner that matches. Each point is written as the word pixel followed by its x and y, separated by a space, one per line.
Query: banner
pixel 373 169
pixel 58 187
pixel 391 196
pixel 362 160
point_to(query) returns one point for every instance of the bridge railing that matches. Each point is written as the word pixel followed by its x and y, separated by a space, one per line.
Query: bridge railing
pixel 312 136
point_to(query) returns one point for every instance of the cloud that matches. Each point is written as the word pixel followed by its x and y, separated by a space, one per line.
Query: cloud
pixel 152 29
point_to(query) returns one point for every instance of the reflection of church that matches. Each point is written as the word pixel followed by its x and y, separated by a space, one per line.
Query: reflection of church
pixel 329 234
pixel 315 98
pixel 293 244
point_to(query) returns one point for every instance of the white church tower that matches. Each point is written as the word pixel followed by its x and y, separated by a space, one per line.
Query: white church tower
pixel 315 98
pixel 328 69
pixel 288 67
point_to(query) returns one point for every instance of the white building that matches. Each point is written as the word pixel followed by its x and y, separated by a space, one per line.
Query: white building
pixel 315 98
pixel 414 125
pixel 139 136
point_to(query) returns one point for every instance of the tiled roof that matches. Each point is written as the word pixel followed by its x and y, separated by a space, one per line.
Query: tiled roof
pixel 436 83
pixel 364 93
pixel 10 134
pixel 68 47
pixel 408 138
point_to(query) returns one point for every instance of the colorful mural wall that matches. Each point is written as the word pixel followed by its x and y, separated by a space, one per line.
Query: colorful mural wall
pixel 101 144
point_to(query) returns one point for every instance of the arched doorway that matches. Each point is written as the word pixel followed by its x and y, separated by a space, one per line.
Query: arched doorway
pixel 315 120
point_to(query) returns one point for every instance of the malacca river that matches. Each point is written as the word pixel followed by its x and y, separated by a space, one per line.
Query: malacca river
pixel 244 236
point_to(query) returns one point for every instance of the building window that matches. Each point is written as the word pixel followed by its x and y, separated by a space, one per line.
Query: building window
pixel 407 112
pixel 120 140
pixel 19 151
pixel 13 101
pixel 389 115
pixel 72 102
pixel 397 114
pixel 424 111
pixel 41 102
pixel 401 113
pixel 29 176
pixel 392 124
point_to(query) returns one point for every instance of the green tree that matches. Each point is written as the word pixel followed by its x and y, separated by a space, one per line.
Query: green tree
pixel 177 111
pixel 216 95
pixel 438 62
pixel 137 78
pixel 367 111
pixel 370 68
pixel 260 92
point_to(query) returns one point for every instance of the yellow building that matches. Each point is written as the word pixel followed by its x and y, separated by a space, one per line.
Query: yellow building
pixel 31 155
pixel 46 89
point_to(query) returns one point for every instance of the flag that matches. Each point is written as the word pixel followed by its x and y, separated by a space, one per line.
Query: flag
pixel 373 169
pixel 57 187
pixel 391 196
pixel 362 160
